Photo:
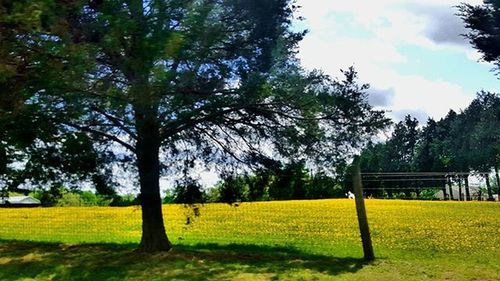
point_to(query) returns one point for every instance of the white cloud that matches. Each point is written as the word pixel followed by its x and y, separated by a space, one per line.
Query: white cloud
pixel 433 97
pixel 387 25
pixel 431 24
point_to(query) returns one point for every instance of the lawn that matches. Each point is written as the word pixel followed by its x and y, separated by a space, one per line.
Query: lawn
pixel 288 240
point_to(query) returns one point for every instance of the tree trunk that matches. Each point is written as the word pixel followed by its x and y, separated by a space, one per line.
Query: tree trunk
pixel 459 188
pixel 137 69
pixel 467 189
pixel 445 196
pixel 450 186
pixel 498 182
pixel 154 237
pixel 488 186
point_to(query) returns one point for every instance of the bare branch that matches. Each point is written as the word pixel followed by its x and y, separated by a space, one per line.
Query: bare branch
pixel 102 134
pixel 116 121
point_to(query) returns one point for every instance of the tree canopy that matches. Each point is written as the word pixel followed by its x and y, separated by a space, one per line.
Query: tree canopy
pixel 467 142
pixel 484 24
pixel 170 85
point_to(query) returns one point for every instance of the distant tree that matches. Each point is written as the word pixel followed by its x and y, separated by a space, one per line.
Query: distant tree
pixel 290 182
pixel 188 191
pixel 484 137
pixel 322 186
pixel 425 160
pixel 258 184
pixel 443 144
pixel 401 148
pixel 484 23
pixel 375 159
pixel 466 142
pixel 402 144
pixel 233 189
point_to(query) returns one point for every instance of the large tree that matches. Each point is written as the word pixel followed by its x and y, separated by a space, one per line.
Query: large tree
pixel 484 24
pixel 175 84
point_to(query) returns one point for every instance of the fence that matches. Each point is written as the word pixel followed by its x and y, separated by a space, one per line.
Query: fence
pixel 430 185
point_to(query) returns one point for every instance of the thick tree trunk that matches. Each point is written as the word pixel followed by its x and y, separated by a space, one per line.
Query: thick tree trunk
pixel 154 237
pixel 137 68
pixel 488 186
pixel 467 189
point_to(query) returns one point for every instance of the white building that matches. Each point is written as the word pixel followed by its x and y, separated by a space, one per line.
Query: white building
pixel 19 201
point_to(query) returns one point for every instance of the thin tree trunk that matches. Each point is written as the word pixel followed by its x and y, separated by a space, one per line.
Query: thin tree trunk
pixel 154 237
pixel 459 188
pixel 450 186
pixel 498 182
pixel 467 189
pixel 488 186
pixel 445 196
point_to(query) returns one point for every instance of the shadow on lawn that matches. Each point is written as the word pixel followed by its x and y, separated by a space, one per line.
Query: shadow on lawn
pixel 41 261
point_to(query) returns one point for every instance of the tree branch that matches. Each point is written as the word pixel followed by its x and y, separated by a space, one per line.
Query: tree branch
pixel 102 134
pixel 116 121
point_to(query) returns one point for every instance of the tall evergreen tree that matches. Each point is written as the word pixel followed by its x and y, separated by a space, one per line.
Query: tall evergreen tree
pixel 178 83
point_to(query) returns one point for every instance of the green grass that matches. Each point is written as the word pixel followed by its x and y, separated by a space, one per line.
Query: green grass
pixel 293 240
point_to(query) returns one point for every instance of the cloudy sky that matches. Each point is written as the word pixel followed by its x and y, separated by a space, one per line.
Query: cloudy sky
pixel 410 52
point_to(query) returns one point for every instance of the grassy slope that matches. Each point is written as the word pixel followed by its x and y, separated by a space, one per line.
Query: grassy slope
pixel 294 240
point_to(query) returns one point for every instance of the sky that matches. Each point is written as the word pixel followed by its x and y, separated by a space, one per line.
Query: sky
pixel 410 52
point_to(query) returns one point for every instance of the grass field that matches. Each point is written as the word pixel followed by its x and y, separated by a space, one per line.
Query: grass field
pixel 289 240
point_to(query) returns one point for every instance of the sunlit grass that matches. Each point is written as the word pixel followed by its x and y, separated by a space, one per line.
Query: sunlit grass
pixel 287 240
pixel 316 226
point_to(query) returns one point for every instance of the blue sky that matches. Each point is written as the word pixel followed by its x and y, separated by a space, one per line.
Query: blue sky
pixel 410 52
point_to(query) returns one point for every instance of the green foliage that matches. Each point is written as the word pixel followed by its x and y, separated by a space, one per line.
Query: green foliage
pixel 169 197
pixel 292 181
pixel 189 192
pixel 70 199
pixel 258 185
pixel 163 85
pixel 49 197
pixel 124 200
pixel 226 70
pixel 322 186
pixel 466 142
pixel 233 189
pixel 64 198
pixel 428 194
pixel 483 22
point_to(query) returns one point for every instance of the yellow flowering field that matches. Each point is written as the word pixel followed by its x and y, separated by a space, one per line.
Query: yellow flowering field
pixel 320 226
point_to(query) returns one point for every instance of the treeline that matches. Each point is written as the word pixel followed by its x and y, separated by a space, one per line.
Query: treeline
pixel 290 181
pixel 414 162
pixel 454 147
pixel 63 197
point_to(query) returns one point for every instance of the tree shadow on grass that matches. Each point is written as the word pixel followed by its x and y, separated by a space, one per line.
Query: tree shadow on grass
pixel 52 261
